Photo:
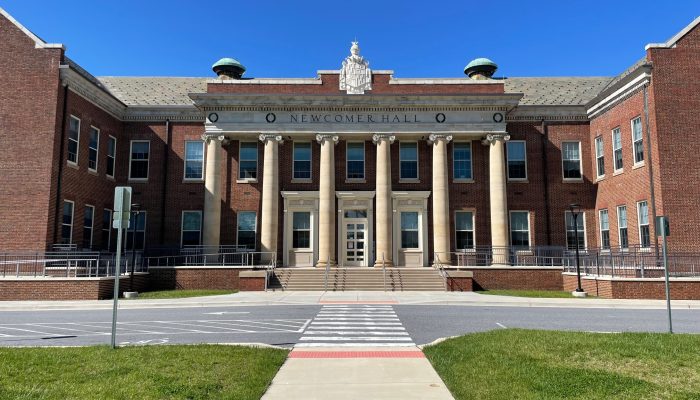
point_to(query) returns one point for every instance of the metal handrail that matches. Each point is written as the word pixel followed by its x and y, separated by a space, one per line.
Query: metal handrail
pixel 441 270
pixel 325 278
pixel 384 270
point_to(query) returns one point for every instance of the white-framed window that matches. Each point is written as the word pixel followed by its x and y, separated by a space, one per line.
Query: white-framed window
pixel 643 220
pixel 302 160
pixel 516 155
pixel 93 148
pixel 464 230
pixel 194 160
pixel 137 238
pixel 191 228
pixel 248 161
pixel 355 163
pixel 520 228
pixel 572 230
pixel 408 160
pixel 409 230
pixel 88 224
pixel 138 159
pixel 617 149
pixel 67 222
pixel 637 142
pixel 73 139
pixel 301 230
pixel 462 161
pixel 246 228
pixel 622 226
pixel 604 229
pixel 106 229
pixel 599 156
pixel 111 155
pixel 571 160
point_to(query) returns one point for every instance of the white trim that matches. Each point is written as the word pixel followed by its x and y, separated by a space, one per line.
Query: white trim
pixel 92 228
pixel 580 161
pixel 441 81
pixel 299 201
pixel 114 157
pixel 641 139
pixel 311 163
pixel 240 179
pixel 639 223
pixel 412 201
pixel 255 229
pixel 268 81
pixel 524 142
pixel 97 150
pixel 630 87
pixel 417 178
pixel 148 160
pixel 510 226
pixel 602 152
pixel 614 164
pixel 600 227
pixel 72 219
pixel 356 200
pixel 38 43
pixel 585 230
pixel 364 160
pixel 185 160
pixel 473 231
pixel 471 162
pixel 619 227
pixel 77 140
pixel 182 225
pixel 672 41
pixel 310 230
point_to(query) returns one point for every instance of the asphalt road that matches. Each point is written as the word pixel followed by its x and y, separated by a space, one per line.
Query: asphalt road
pixel 286 325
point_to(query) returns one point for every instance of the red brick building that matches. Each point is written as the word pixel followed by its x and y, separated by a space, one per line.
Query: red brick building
pixel 354 165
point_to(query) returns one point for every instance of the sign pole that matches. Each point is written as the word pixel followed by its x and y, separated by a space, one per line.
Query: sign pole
pixel 122 212
pixel 117 268
pixel 662 224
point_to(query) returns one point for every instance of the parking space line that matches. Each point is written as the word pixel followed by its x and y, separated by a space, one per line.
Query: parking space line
pixel 209 326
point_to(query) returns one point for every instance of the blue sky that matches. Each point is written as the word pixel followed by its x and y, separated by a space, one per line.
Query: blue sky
pixel 297 38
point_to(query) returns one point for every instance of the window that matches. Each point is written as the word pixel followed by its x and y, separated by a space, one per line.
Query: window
pixel 599 156
pixel 140 221
pixel 355 153
pixel 301 230
pixel 248 161
pixel 106 229
pixel 637 143
pixel 517 161
pixel 409 230
pixel 617 149
pixel 138 164
pixel 604 230
pixel 88 223
pixel 191 228
pixel 73 139
pixel 643 213
pixel 246 229
pixel 462 161
pixel 572 230
pixel 571 159
pixel 408 160
pixel 520 228
pixel 111 155
pixel 67 223
pixel 622 226
pixel 194 160
pixel 93 148
pixel 302 160
pixel 464 230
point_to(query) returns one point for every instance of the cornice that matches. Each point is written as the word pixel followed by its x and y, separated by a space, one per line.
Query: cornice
pixel 547 113
pixel 86 89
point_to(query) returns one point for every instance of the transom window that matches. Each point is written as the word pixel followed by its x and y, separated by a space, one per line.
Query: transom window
pixel 301 230
pixel 73 139
pixel 622 226
pixel 191 228
pixel 520 228
pixel 617 148
pixel 106 229
pixel 517 160
pixel 572 229
pixel 111 155
pixel 93 149
pixel 408 160
pixel 599 156
pixel 643 214
pixel 637 142
pixel 194 160
pixel 248 161
pixel 604 230
pixel 88 223
pixel 138 165
pixel 355 160
pixel 464 230
pixel 67 223
pixel 247 222
pixel 302 160
pixel 409 230
pixel 462 160
pixel 571 159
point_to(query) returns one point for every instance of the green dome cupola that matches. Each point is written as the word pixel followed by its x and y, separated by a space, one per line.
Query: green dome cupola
pixel 228 68
pixel 480 68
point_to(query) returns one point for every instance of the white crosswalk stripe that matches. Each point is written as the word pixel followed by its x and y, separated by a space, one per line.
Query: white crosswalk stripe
pixel 355 325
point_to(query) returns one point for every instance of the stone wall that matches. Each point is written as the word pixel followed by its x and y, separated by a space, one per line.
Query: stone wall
pixel 634 288
pixel 12 289
pixel 535 278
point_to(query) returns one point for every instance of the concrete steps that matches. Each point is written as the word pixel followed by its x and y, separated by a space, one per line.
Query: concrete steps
pixel 346 279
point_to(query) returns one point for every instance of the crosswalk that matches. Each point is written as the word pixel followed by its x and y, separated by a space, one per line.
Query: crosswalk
pixel 355 326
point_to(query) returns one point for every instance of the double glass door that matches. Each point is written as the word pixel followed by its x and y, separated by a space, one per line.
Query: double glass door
pixel 355 238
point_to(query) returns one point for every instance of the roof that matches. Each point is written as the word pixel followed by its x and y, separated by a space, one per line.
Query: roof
pixel 556 91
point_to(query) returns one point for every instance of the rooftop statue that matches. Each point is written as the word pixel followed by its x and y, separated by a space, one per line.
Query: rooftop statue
pixel 355 75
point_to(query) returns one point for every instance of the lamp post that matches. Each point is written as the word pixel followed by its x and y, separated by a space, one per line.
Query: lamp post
pixel 575 211
pixel 135 210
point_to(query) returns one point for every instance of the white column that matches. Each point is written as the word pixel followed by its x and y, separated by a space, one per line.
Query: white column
pixel 384 212
pixel 269 227
pixel 441 199
pixel 498 197
pixel 211 224
pixel 326 200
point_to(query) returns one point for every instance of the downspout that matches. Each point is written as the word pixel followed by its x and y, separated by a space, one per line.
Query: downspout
pixel 165 181
pixel 60 164
pixel 651 165
pixel 545 174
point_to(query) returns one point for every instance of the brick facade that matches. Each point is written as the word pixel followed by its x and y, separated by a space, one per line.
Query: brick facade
pixel 620 288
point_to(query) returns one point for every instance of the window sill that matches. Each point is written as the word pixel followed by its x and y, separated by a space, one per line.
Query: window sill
pixel 511 180
pixel 618 172
pixel 92 172
pixel 572 180
pixel 110 178
pixel 138 180
pixel 638 165
pixel 355 180
pixel 193 181
pixel 246 181
pixel 73 165
pixel 302 181
pixel 409 180
pixel 600 178
pixel 463 180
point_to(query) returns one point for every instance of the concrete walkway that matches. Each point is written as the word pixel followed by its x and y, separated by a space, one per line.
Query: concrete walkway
pixel 359 373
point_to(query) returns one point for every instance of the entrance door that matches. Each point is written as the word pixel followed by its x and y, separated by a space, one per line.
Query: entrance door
pixel 355 234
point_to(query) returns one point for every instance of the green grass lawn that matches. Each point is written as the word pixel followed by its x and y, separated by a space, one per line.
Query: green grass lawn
pixel 528 293
pixel 148 372
pixel 528 364
pixel 176 294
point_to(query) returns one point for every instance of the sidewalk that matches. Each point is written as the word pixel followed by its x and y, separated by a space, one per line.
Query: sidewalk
pixel 359 373
pixel 316 298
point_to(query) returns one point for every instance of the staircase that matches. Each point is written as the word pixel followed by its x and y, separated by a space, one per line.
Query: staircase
pixel 367 279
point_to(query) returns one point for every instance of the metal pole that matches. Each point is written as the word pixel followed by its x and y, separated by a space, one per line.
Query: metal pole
pixel 578 266
pixel 384 270
pixel 668 285
pixel 116 286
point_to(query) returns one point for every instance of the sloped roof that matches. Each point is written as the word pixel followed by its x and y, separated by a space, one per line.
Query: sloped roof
pixel 569 91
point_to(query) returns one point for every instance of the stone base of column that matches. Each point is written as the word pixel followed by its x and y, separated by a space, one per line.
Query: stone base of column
pixel 380 264
pixel 323 264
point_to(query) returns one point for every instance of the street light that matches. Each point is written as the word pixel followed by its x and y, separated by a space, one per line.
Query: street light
pixel 575 211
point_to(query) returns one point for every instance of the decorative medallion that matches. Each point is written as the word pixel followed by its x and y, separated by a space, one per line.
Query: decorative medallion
pixel 355 75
